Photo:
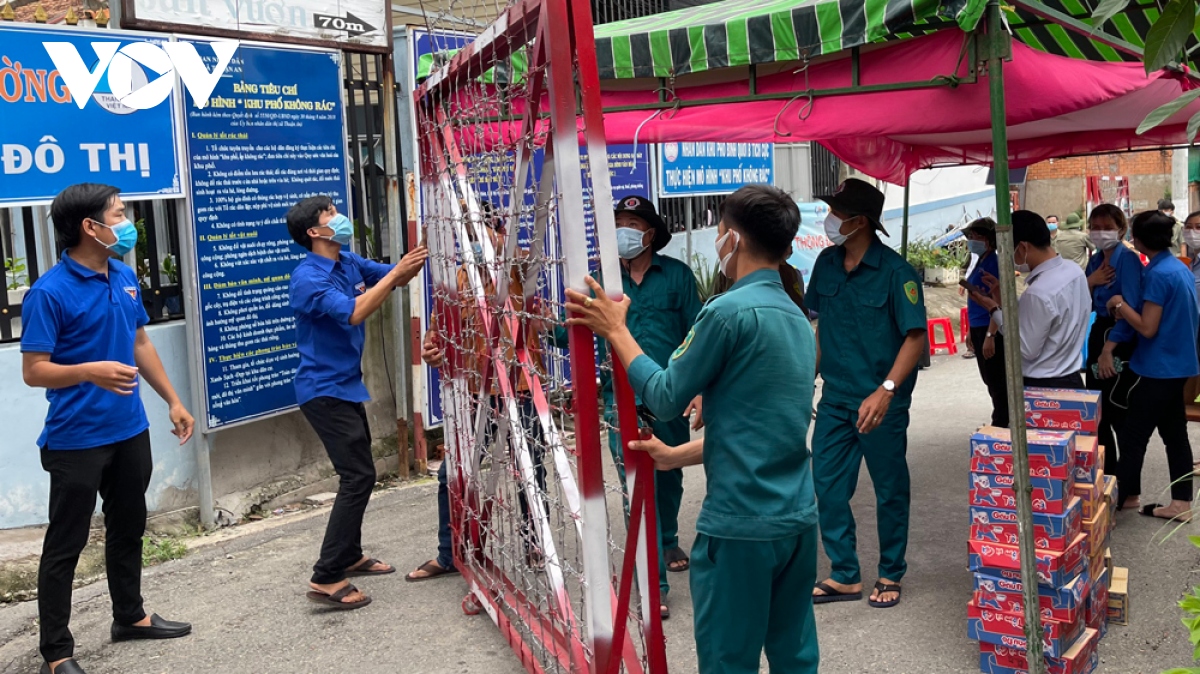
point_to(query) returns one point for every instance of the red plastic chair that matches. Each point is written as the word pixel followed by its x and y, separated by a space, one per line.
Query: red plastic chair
pixel 946 341
pixel 964 326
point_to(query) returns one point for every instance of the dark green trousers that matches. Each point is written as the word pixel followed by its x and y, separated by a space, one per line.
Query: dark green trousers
pixel 838 451
pixel 755 596
pixel 668 486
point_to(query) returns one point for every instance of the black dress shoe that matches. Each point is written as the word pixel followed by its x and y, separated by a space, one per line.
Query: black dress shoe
pixel 159 628
pixel 67 667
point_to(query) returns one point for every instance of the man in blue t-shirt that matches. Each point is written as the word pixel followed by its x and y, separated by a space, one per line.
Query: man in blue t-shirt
pixel 332 294
pixel 84 341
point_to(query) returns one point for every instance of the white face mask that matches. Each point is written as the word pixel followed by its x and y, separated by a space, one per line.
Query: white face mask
pixel 1105 240
pixel 1024 266
pixel 629 242
pixel 1192 238
pixel 724 264
pixel 833 230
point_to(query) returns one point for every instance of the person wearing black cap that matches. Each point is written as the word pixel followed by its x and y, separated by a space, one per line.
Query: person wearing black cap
pixel 1054 310
pixel 665 301
pixel 870 336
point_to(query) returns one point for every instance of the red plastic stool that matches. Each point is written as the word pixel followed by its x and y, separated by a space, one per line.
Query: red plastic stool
pixel 964 326
pixel 947 338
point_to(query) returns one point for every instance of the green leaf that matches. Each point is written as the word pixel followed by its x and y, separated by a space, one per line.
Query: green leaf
pixel 1161 114
pixel 1195 540
pixel 1168 35
pixel 1107 10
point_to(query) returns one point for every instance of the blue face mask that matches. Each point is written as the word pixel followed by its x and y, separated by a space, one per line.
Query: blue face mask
pixel 126 234
pixel 343 230
pixel 977 247
pixel 629 242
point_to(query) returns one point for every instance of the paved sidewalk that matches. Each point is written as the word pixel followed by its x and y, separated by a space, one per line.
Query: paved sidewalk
pixel 245 593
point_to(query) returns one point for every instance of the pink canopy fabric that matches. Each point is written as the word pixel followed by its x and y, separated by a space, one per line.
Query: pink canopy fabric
pixel 1056 107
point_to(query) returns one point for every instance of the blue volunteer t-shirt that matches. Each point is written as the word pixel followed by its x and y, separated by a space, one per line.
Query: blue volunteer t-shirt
pixel 978 315
pixel 1171 352
pixel 323 293
pixel 80 316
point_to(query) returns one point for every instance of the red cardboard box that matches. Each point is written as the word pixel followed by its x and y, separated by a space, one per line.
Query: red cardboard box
pixel 1063 410
pixel 1054 568
pixel 999 491
pixel 1096 606
pixel 1081 658
pixel 1008 629
pixel 1089 459
pixel 1050 532
pixel 1061 604
pixel 1051 453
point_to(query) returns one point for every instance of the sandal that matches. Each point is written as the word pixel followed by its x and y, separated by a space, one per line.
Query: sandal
pixel 882 587
pixel 831 595
pixel 432 570
pixel 363 568
pixel 677 560
pixel 1149 508
pixel 664 611
pixel 334 600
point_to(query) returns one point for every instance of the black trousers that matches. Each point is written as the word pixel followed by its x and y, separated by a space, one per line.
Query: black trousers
pixel 120 473
pixel 1155 404
pixel 342 427
pixel 991 371
pixel 1070 381
pixel 1114 391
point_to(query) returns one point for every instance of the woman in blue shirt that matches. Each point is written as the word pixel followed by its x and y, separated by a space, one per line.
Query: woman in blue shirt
pixel 1167 326
pixel 1191 237
pixel 987 343
pixel 1112 270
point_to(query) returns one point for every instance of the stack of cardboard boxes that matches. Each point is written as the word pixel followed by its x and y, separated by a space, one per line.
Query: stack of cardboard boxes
pixel 1071 531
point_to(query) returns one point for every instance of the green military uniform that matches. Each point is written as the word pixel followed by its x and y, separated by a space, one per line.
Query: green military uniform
pixel 752 356
pixel 865 316
pixel 662 310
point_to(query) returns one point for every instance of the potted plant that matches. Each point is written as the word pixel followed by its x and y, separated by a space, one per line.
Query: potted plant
pixel 16 278
pixel 174 303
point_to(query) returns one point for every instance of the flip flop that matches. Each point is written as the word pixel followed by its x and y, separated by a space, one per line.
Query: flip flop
pixel 1149 508
pixel 882 587
pixel 664 611
pixel 363 569
pixel 334 600
pixel 432 570
pixel 831 595
pixel 674 556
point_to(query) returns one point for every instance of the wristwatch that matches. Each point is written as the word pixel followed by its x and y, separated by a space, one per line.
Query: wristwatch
pixel 889 386
pixel 991 335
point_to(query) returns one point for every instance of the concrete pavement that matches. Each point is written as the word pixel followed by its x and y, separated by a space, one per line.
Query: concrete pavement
pixel 245 593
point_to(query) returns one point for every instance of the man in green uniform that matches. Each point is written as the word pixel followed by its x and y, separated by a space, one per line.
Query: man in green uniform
pixel 752 355
pixel 664 302
pixel 870 335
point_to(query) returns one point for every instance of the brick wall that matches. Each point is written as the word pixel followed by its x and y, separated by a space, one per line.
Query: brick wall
pixel 1152 162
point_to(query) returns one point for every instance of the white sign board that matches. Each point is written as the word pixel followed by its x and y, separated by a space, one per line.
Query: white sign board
pixel 346 22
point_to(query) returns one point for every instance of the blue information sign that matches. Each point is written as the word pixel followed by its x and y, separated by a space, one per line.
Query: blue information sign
pixel 697 169
pixel 272 134
pixel 47 142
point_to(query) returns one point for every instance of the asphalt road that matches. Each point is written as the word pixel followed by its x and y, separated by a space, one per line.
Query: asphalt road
pixel 245 594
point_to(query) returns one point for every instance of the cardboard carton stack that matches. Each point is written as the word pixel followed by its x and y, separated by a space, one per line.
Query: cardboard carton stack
pixel 1071 525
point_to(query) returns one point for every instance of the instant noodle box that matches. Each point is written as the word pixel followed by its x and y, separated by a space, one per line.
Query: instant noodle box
pixel 1096 604
pixel 998 491
pixel 1050 532
pixel 1092 494
pixel 1089 459
pixel 1051 453
pixel 1008 629
pixel 1081 658
pixel 1097 529
pixel 1110 492
pixel 1062 604
pixel 1062 410
pixel 1054 568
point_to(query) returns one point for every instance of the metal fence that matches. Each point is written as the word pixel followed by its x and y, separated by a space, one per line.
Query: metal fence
pixel 826 170
pixel 21 267
pixel 364 117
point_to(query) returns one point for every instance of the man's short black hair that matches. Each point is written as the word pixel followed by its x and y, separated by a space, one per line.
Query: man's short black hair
pixel 306 215
pixel 1154 230
pixel 1031 228
pixel 767 218
pixel 85 201
pixel 1165 205
pixel 1051 216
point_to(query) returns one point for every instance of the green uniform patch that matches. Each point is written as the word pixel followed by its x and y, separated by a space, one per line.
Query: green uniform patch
pixel 910 290
pixel 687 341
